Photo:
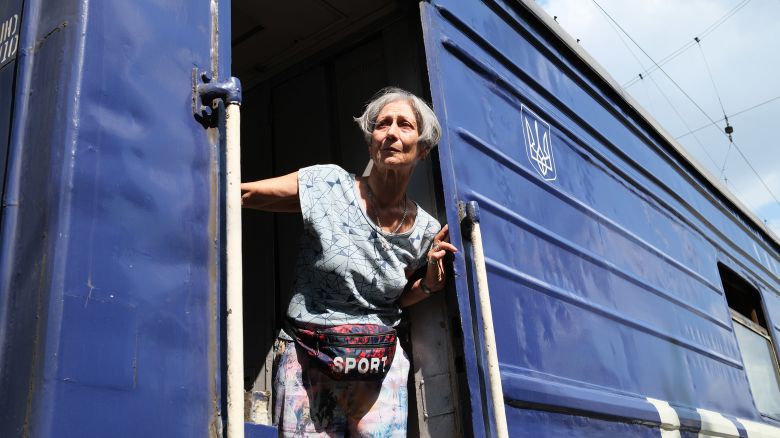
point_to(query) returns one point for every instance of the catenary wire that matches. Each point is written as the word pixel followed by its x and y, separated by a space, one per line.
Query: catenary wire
pixel 674 108
pixel 653 61
pixel 732 116
pixel 712 79
pixel 739 151
pixel 736 147
pixel 723 109
pixel 660 90
pixel 628 47
pixel 642 66
pixel 686 46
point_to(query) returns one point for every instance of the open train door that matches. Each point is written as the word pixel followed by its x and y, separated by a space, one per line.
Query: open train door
pixel 494 145
pixel 110 247
pixel 461 101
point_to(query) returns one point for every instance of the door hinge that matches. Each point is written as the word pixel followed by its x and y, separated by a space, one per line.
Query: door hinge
pixel 205 93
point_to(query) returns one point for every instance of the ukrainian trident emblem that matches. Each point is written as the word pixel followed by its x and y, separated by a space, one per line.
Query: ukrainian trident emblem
pixel 538 144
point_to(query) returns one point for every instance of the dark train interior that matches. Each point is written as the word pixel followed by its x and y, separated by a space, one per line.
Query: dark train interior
pixel 307 67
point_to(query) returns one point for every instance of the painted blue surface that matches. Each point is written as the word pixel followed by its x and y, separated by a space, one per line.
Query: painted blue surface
pixel 259 431
pixel 603 271
pixel 109 257
pixel 540 424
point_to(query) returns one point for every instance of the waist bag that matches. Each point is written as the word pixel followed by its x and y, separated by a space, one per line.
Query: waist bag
pixel 349 351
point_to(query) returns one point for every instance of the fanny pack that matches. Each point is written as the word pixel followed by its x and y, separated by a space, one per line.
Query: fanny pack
pixel 348 351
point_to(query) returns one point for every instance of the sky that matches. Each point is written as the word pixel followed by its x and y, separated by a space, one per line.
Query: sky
pixel 735 66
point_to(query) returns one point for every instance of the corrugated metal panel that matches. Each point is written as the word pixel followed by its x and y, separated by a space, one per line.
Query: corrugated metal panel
pixel 603 264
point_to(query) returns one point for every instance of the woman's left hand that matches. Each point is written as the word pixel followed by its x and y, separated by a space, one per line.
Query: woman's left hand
pixel 436 276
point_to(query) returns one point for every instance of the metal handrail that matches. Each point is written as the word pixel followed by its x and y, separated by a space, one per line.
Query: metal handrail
pixel 488 334
pixel 235 314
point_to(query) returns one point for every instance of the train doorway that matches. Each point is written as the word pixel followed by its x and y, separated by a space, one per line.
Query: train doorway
pixel 304 76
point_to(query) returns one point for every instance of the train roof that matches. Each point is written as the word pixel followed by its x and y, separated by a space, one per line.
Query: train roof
pixel 602 73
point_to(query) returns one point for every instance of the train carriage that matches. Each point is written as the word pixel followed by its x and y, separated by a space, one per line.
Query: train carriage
pixel 628 293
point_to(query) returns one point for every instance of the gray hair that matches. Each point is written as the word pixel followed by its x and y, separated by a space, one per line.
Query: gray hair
pixel 427 124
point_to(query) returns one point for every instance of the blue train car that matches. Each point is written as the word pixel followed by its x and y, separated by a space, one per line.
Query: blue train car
pixel 632 296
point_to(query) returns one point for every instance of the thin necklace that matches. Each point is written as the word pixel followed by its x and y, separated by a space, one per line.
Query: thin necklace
pixel 376 210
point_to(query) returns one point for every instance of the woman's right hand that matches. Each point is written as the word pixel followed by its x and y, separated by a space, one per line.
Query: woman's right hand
pixel 436 276
pixel 278 194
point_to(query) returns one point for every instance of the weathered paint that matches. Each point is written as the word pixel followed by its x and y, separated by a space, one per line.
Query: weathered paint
pixel 602 240
pixel 108 238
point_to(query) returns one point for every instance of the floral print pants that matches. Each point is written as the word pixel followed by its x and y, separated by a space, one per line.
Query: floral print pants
pixel 307 403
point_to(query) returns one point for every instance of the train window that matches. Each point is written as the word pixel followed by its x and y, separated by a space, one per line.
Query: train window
pixel 755 342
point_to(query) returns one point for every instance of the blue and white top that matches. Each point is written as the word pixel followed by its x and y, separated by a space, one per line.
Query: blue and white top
pixel 349 271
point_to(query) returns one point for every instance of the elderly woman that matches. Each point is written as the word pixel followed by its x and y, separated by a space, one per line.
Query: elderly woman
pixel 340 370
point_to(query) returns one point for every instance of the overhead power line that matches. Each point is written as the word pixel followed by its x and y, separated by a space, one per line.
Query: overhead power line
pixel 692 131
pixel 660 90
pixel 674 108
pixel 680 50
pixel 729 129
pixel 736 148
pixel 628 47
pixel 712 122
pixel 652 60
pixel 712 80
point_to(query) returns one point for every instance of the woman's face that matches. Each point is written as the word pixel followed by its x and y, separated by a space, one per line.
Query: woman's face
pixel 394 142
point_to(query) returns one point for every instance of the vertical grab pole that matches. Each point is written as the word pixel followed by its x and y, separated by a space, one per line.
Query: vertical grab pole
pixel 488 334
pixel 235 313
pixel 230 92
